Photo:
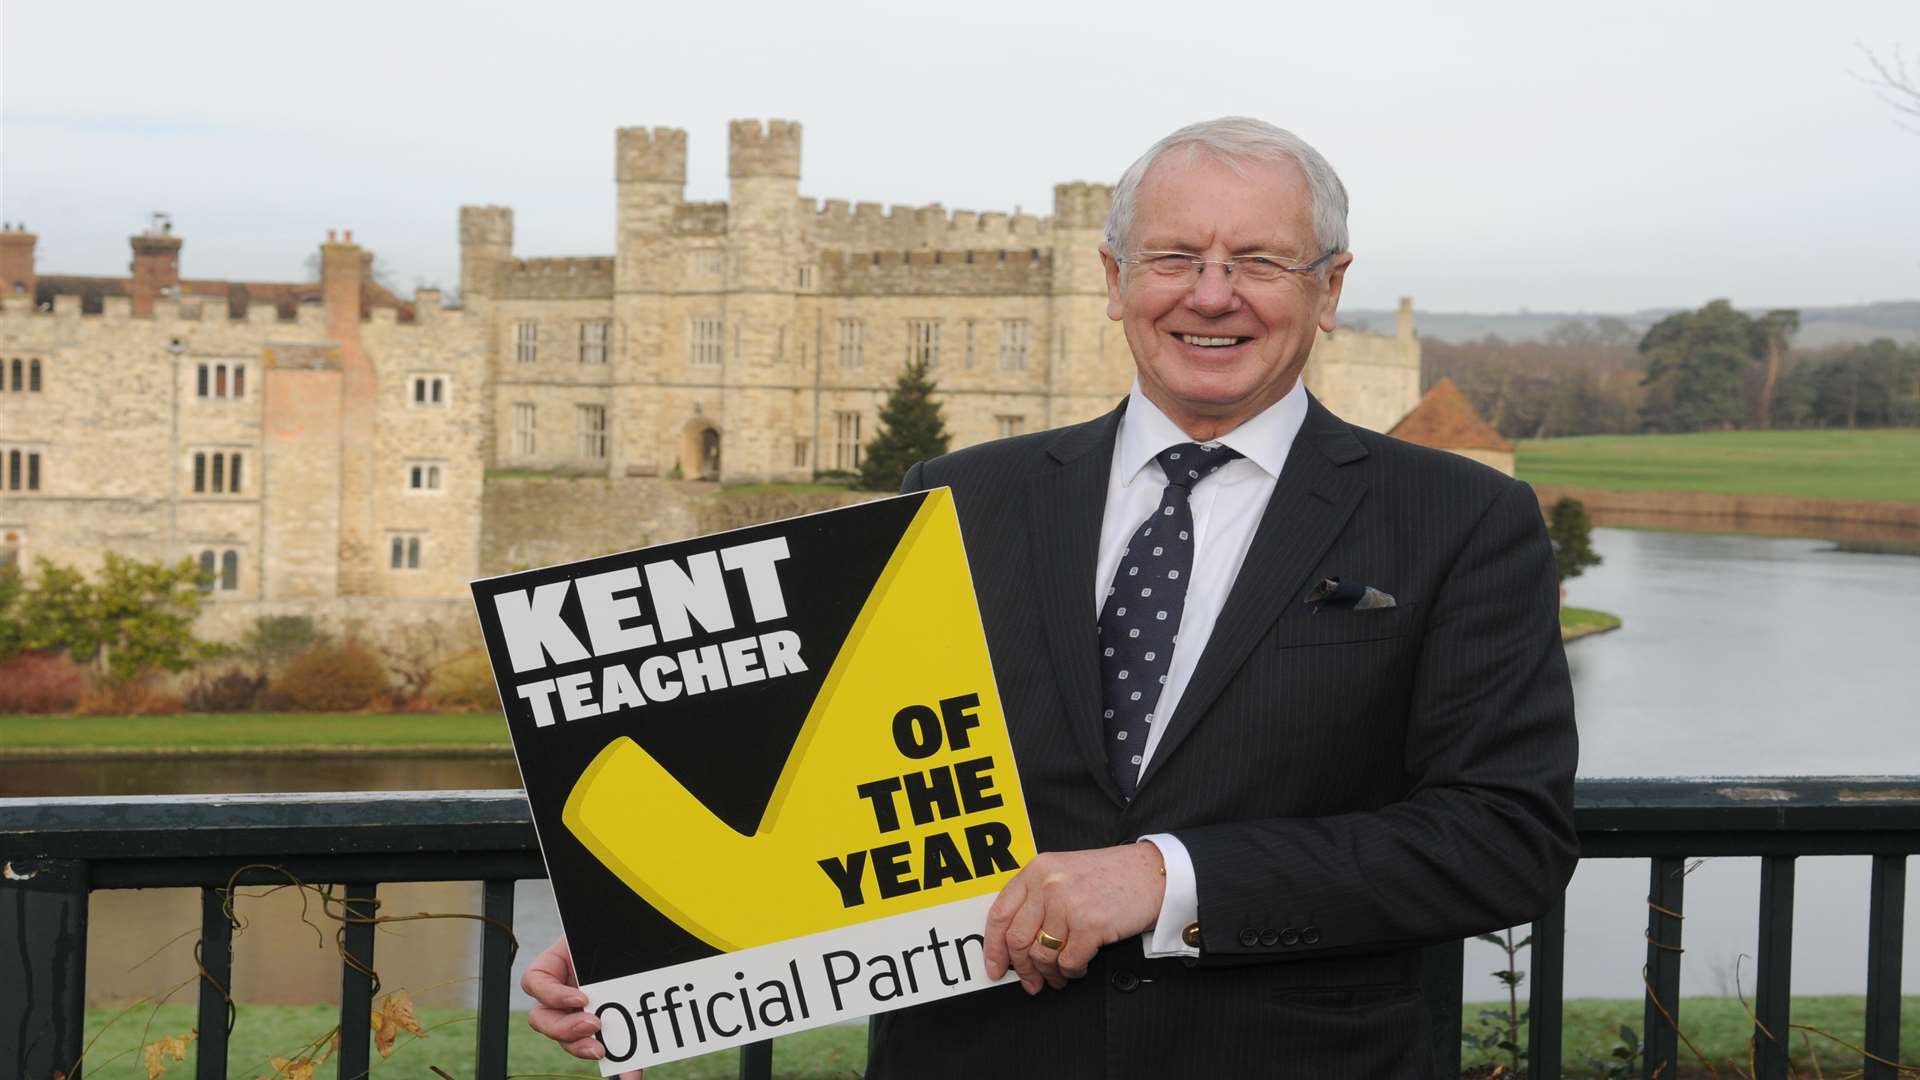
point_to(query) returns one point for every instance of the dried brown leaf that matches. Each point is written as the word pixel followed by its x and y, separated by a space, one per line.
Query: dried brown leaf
pixel 300 1068
pixel 394 1015
pixel 155 1053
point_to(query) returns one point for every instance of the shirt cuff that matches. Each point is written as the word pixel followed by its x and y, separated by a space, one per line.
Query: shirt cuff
pixel 1179 908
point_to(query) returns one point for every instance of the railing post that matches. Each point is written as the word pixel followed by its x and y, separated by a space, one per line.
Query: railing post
pixel 1666 899
pixel 1546 971
pixel 756 1061
pixel 1773 985
pixel 216 986
pixel 1440 984
pixel 496 968
pixel 1886 914
pixel 43 958
pixel 356 987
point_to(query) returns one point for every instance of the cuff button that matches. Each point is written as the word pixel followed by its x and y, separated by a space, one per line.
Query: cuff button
pixel 1191 935
pixel 1310 935
pixel 1249 937
pixel 1290 936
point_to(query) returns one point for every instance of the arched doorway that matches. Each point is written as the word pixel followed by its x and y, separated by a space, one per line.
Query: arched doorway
pixel 700 450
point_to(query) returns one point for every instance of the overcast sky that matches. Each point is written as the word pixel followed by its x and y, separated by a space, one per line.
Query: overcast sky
pixel 1499 156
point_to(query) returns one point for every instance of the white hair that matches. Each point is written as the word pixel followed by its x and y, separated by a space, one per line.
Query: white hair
pixel 1232 140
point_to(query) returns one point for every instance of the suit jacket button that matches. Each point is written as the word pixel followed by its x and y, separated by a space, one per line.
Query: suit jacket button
pixel 1310 935
pixel 1249 937
pixel 1125 981
pixel 1289 936
pixel 1269 937
pixel 1191 935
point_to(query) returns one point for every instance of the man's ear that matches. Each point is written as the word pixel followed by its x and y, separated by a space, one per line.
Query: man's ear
pixel 1112 266
pixel 1336 277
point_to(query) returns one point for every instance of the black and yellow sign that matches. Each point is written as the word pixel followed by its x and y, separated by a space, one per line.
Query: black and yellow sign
pixel 768 769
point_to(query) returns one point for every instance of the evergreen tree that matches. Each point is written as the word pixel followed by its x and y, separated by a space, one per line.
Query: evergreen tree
pixel 1571 532
pixel 912 431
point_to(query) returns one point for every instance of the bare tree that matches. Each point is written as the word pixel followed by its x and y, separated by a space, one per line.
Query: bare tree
pixel 1896 86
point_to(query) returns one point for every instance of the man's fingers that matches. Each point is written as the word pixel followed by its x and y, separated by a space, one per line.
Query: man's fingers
pixel 1078 954
pixel 586 1049
pixel 1010 900
pixel 562 1025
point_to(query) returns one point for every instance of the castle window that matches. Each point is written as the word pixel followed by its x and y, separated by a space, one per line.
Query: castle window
pixel 523 428
pixel 526 341
pixel 590 425
pixel 967 360
pixel 403 550
pixel 33 376
pixel 423 475
pixel 846 440
pixel 22 469
pixel 216 472
pixel 806 277
pixel 1011 425
pixel 219 570
pixel 25 375
pixel 18 369
pixel 852 337
pixel 709 261
pixel 220 380
pixel 593 341
pixel 706 341
pixel 429 392
pixel 1014 336
pixel 923 342
pixel 802 452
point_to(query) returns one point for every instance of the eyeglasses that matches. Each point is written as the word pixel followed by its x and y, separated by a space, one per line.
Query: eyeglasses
pixel 1183 268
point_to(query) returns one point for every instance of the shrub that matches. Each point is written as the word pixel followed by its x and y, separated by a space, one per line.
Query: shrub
pixel 39 682
pixel 332 677
pixel 230 691
pixel 274 639
pixel 466 682
pixel 141 697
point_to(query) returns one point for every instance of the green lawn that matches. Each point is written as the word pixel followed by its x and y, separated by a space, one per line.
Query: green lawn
pixel 1882 464
pixel 1579 622
pixel 1718 1026
pixel 236 731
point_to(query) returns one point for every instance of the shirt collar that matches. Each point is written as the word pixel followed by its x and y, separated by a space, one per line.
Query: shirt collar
pixel 1263 440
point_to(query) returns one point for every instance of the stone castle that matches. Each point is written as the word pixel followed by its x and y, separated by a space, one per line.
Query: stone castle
pixel 317 441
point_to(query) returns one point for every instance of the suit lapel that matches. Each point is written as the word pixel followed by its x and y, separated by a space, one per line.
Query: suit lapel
pixel 1066 501
pixel 1311 502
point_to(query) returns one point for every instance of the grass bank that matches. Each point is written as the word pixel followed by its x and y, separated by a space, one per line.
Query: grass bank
pixel 229 732
pixel 1718 1026
pixel 1579 622
pixel 1878 465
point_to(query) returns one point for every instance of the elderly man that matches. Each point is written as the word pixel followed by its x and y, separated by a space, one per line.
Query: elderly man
pixel 1287 696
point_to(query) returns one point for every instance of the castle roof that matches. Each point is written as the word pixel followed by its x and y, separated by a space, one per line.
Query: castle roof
pixel 1446 420
pixel 284 296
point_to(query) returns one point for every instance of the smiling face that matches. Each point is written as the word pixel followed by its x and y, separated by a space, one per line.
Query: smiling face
pixel 1215 353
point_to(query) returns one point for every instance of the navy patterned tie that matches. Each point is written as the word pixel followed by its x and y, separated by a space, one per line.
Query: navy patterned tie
pixel 1141 613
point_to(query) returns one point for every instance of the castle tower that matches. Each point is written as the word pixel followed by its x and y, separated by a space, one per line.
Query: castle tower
pixel 156 266
pixel 1088 352
pixel 486 245
pixel 16 261
pixel 764 239
pixel 650 170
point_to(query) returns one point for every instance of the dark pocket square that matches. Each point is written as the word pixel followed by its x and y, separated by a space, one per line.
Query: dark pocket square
pixel 1334 593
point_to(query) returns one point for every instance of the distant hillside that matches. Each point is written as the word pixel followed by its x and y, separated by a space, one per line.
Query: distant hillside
pixel 1819 326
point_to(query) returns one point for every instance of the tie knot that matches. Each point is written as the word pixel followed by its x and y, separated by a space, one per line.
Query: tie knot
pixel 1186 464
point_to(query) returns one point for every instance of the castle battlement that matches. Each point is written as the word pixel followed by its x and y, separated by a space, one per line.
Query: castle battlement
pixel 869 226
pixel 650 155
pixel 1026 272
pixel 771 148
pixel 570 278
pixel 1081 205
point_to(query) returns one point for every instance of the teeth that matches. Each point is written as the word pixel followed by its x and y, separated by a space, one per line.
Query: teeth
pixel 1195 339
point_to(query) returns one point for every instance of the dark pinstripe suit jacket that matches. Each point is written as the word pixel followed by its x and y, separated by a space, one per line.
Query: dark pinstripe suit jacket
pixel 1351 785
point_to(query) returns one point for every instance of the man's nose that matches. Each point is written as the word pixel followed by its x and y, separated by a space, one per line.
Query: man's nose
pixel 1213 290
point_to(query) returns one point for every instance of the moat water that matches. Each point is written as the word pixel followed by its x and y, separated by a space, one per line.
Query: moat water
pixel 1741 655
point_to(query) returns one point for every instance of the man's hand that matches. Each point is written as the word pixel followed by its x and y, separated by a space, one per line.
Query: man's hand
pixel 560 1013
pixel 1084 898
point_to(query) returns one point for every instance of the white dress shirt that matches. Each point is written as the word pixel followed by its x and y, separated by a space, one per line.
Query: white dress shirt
pixel 1227 507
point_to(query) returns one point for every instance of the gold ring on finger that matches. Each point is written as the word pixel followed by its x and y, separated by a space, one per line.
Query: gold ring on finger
pixel 1048 941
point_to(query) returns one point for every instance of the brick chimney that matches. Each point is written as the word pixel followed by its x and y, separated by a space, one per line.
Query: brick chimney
pixel 156 264
pixel 343 276
pixel 16 260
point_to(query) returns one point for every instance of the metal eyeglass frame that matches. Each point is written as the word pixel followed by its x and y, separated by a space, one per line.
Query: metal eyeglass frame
pixel 1198 266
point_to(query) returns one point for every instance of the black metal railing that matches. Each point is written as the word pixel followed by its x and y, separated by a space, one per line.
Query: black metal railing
pixel 56 851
